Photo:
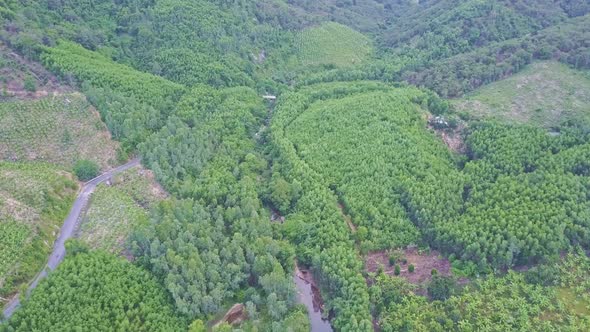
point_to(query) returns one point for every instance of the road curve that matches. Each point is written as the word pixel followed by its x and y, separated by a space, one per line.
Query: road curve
pixel 67 230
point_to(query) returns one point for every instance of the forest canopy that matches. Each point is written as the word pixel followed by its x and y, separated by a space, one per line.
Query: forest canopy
pixel 296 141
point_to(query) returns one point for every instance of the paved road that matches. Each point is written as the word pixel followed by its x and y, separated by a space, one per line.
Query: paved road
pixel 67 230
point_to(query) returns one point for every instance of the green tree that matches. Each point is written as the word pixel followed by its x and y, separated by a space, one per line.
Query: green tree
pixel 86 169
pixel 197 326
pixel 441 288
pixel 30 84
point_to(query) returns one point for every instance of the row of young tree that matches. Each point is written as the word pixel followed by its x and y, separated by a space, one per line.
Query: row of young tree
pixel 315 223
pixel 519 198
pixel 96 291
pixel 373 145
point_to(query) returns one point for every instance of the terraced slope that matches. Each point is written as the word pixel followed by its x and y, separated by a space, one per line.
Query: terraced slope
pixel 333 44
pixel 59 130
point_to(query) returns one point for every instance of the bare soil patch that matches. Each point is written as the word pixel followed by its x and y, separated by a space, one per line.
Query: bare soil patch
pixel 452 137
pixel 16 69
pixel 423 263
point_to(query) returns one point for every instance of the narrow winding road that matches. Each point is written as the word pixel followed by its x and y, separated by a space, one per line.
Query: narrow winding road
pixel 67 230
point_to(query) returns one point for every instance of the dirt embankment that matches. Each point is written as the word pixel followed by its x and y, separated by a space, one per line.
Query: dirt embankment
pixel 17 72
pixel 308 294
pixel 453 137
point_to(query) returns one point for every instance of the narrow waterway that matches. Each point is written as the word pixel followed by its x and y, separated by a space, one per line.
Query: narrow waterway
pixel 308 295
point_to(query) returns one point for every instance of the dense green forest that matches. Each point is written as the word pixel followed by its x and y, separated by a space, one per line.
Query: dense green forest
pixel 292 136
pixel 97 291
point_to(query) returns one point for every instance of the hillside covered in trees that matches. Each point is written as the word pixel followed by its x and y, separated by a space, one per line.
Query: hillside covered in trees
pixel 417 165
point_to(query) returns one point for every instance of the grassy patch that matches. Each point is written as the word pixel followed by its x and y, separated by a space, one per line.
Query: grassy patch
pixel 13 237
pixel 333 44
pixel 34 200
pixel 545 94
pixel 573 301
pixel 109 220
pixel 58 130
pixel 116 209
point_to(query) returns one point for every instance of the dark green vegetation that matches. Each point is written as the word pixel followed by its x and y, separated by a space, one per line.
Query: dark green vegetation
pixel 349 156
pixel 215 246
pixel 85 169
pixel 97 291
pixel 34 200
pixel 454 47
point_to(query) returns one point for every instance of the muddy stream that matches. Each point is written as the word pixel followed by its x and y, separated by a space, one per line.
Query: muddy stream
pixel 309 295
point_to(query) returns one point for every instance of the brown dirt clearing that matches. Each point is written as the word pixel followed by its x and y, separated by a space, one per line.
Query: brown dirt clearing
pixel 423 264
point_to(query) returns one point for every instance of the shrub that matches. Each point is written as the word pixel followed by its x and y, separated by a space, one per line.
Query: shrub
pixel 86 169
pixel 197 326
pixel 441 288
pixel 434 272
pixel 30 84
pixel 397 270
pixel 411 268
pixel 392 259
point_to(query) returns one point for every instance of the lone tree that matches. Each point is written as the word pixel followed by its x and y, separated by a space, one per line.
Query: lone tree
pixel 85 169
pixel 441 288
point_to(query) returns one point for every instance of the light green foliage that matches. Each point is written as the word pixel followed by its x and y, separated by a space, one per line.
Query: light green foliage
pixel 513 202
pixel 159 71
pixel 197 326
pixel 69 58
pixel 58 130
pixel 526 195
pixel 34 199
pixel 372 148
pixel 13 238
pixel 333 44
pixel 317 225
pixel 97 291
pixel 574 284
pixel 30 84
pixel 545 94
